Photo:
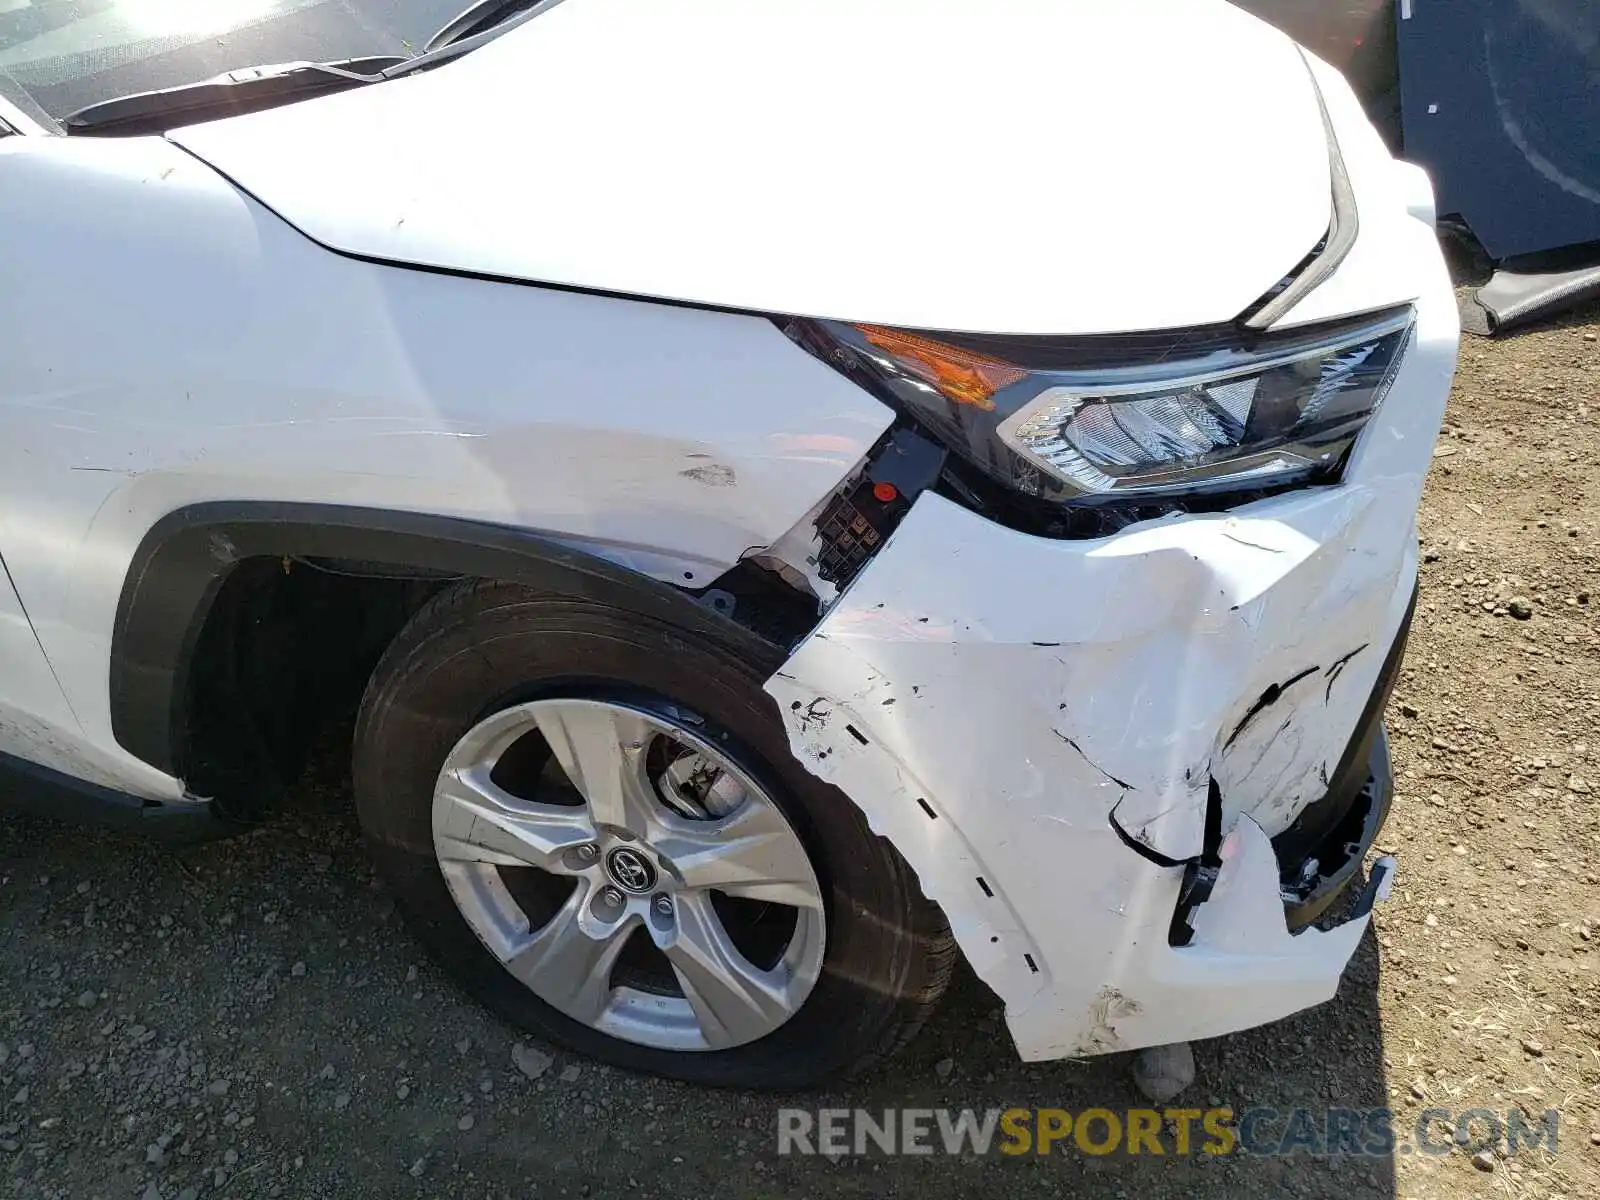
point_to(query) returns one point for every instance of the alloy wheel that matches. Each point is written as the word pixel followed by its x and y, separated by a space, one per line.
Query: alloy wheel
pixel 630 873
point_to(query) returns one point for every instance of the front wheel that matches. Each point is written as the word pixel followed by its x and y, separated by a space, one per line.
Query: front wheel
pixel 593 821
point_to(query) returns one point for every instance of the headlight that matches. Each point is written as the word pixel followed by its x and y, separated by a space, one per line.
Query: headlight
pixel 1140 416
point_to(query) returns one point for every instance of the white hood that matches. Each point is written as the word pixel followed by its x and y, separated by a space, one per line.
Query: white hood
pixel 1018 166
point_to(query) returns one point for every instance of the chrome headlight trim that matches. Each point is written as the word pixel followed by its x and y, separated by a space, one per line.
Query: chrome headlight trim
pixel 1343 228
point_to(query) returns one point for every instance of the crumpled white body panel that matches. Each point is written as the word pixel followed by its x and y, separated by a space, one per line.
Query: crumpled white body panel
pixel 990 699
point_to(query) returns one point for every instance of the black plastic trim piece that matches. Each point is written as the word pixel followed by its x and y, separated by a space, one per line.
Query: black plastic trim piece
pixel 1169 349
pixel 1375 800
pixel 854 524
pixel 32 788
pixel 234 93
pixel 1200 874
pixel 479 18
pixel 181 563
pixel 1377 887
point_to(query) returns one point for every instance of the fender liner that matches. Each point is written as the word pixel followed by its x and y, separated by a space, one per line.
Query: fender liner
pixel 183 560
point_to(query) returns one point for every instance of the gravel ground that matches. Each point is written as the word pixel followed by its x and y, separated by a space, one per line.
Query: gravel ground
pixel 250 1019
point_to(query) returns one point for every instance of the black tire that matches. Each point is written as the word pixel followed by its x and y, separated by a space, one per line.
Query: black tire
pixel 477 648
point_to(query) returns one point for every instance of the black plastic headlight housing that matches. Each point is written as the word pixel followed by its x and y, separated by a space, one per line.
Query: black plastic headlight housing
pixel 1133 419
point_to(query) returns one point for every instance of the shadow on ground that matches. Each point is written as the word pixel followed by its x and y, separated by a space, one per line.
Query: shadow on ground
pixel 251 1019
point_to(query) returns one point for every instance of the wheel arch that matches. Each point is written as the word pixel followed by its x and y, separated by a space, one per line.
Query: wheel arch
pixel 182 566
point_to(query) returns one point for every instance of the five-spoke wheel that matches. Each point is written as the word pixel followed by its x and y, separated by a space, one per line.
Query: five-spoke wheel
pixel 654 832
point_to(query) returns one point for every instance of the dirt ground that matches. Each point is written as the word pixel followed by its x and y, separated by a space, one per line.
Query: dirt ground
pixel 250 1019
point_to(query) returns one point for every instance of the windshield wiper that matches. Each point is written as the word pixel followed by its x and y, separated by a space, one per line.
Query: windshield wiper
pixel 229 94
pixel 250 89
pixel 479 17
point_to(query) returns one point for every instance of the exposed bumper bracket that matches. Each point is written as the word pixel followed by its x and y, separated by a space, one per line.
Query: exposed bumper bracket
pixel 1200 874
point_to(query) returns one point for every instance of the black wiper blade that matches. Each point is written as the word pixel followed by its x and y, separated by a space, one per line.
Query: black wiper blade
pixel 478 17
pixel 247 89
pixel 474 27
pixel 251 89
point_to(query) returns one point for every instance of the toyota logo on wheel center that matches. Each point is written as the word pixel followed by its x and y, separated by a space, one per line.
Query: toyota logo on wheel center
pixel 630 870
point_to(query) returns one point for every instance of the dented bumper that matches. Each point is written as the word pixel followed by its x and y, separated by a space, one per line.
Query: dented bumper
pixel 1055 734
pixel 1037 726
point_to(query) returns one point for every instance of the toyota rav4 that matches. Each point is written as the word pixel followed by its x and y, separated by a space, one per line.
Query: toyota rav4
pixel 788 491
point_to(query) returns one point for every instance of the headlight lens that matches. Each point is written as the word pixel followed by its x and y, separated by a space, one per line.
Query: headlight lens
pixel 1208 418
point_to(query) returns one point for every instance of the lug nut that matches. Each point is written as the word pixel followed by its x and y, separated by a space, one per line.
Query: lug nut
pixel 612 896
pixel 589 852
pixel 663 906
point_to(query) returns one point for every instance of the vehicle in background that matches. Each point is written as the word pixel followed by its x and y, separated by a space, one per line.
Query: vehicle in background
pixel 1355 36
pixel 1500 101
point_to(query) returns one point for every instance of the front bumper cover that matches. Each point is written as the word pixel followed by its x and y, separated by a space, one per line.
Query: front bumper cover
pixel 1011 736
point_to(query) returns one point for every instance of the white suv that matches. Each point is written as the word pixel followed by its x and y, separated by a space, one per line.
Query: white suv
pixel 788 489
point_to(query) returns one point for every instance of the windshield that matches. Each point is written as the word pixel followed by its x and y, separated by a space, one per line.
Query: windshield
pixel 70 53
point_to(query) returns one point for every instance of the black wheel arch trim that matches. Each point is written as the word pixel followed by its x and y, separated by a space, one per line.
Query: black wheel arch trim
pixel 184 558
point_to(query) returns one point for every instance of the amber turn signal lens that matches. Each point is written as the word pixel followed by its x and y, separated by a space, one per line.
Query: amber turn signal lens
pixel 959 375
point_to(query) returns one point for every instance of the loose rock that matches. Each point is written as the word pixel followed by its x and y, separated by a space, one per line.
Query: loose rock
pixel 530 1060
pixel 1162 1072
